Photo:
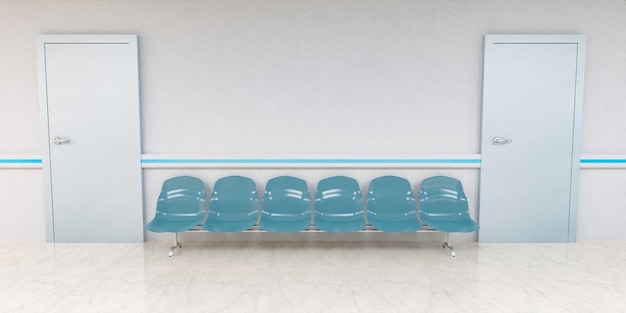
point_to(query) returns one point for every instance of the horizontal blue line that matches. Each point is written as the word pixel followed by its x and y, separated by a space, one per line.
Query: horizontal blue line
pixel 319 161
pixel 302 161
pixel 603 161
pixel 20 161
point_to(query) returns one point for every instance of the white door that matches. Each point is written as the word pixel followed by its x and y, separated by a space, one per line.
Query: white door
pixel 89 95
pixel 530 145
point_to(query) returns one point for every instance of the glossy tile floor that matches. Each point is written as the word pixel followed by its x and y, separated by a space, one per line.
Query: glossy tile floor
pixel 312 277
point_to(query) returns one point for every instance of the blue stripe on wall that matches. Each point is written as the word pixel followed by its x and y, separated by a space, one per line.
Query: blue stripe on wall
pixel 470 161
pixel 20 161
pixel 313 161
pixel 310 161
pixel 603 161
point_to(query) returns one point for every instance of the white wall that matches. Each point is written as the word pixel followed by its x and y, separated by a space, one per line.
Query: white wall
pixel 413 65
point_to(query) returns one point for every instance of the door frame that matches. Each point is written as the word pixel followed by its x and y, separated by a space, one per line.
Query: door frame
pixel 42 40
pixel 580 40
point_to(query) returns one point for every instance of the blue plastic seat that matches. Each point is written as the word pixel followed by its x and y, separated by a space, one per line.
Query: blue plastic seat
pixel 443 205
pixel 339 205
pixel 181 205
pixel 391 205
pixel 286 205
pixel 234 205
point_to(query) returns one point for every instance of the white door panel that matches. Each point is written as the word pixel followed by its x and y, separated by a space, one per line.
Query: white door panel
pixel 91 100
pixel 530 98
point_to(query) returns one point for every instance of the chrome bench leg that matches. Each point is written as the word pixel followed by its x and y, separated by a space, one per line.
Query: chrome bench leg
pixel 447 245
pixel 178 245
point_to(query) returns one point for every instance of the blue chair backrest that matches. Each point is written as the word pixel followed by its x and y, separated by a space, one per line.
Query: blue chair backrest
pixel 234 205
pixel 443 197
pixel 286 205
pixel 339 205
pixel 391 205
pixel 181 196
pixel 181 205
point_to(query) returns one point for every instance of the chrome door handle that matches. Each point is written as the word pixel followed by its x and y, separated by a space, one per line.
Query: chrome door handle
pixel 58 140
pixel 501 141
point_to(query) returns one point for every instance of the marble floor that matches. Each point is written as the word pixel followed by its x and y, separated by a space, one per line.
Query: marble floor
pixel 312 277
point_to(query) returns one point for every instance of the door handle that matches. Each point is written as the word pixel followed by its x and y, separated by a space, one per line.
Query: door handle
pixel 498 141
pixel 58 140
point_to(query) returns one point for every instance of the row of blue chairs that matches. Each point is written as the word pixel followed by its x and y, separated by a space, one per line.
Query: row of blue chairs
pixel 338 206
